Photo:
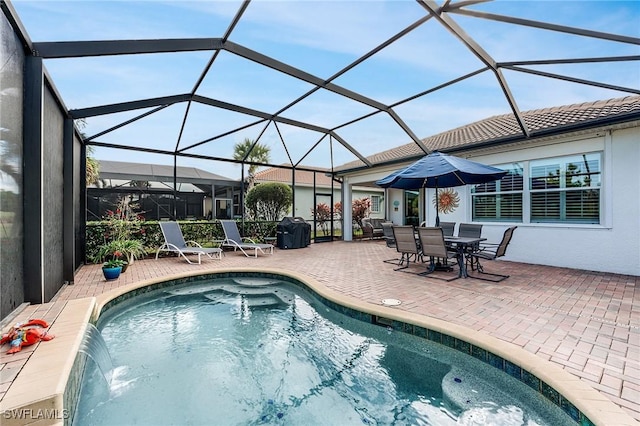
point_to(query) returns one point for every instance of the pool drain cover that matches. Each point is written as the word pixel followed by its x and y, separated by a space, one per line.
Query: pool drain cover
pixel 391 302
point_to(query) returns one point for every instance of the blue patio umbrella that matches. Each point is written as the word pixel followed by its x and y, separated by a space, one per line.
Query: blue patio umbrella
pixel 438 170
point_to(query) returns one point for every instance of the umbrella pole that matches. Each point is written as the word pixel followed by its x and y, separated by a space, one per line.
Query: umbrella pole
pixel 437 208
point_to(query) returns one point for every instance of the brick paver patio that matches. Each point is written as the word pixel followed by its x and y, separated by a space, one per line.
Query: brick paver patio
pixel 586 322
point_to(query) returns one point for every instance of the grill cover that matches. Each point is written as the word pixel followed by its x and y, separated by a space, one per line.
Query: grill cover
pixel 293 233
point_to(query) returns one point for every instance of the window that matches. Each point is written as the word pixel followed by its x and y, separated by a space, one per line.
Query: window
pixel 500 200
pixel 555 190
pixel 566 189
pixel 376 203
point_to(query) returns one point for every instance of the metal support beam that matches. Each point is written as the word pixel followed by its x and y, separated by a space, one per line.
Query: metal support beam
pixel 68 220
pixel 351 149
pixel 256 113
pixel 79 49
pixel 547 26
pixel 407 130
pixel 575 80
pixel 187 155
pixel 127 106
pixel 33 259
pixel 455 29
pixel 82 214
pixel 127 122
pixel 299 74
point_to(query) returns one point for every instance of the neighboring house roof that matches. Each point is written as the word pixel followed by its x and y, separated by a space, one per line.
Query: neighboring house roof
pixel 161 173
pixel 303 177
pixel 502 129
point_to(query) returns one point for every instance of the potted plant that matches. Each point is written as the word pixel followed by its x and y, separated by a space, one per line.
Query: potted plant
pixel 132 249
pixel 121 227
pixel 112 268
pixel 126 250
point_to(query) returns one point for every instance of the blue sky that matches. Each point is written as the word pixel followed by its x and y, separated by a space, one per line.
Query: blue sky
pixel 321 38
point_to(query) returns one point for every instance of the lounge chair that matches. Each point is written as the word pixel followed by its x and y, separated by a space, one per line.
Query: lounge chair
pixel 233 239
pixel 433 245
pixel 490 251
pixel 174 242
pixel 406 244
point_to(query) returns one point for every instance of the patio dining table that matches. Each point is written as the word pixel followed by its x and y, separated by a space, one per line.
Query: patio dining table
pixel 461 245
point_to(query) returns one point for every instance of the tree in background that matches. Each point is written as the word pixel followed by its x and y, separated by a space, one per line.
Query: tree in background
pixel 361 208
pixel 323 217
pixel 337 209
pixel 93 168
pixel 259 154
pixel 269 201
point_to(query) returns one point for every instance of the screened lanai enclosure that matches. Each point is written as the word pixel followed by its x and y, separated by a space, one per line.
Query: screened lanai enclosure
pixel 148 189
pixel 321 84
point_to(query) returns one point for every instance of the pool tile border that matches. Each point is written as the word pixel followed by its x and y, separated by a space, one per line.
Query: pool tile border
pixel 603 409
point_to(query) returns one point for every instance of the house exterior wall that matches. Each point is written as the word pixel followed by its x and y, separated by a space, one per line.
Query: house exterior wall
pixel 305 199
pixel 613 245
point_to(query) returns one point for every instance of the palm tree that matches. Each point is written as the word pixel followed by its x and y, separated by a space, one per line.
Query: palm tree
pixel 255 153
pixel 93 168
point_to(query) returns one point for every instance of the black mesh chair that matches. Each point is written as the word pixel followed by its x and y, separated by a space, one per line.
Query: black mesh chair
pixel 488 251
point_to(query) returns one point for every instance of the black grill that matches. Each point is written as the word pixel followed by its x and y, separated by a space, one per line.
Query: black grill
pixel 293 233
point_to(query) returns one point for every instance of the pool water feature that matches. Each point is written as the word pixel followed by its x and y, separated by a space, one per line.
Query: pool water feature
pixel 250 352
pixel 94 346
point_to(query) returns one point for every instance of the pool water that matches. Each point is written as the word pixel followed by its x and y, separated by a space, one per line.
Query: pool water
pixel 254 351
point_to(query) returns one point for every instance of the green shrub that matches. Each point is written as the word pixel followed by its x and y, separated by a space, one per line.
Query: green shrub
pixel 269 201
pixel 204 233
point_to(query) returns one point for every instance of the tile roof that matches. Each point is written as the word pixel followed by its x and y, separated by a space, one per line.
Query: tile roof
pixel 303 177
pixel 505 128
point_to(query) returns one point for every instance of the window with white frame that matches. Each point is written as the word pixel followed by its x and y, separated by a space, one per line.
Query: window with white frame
pixel 566 189
pixel 376 203
pixel 556 190
pixel 500 201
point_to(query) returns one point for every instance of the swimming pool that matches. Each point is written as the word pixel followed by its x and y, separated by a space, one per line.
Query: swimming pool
pixel 254 350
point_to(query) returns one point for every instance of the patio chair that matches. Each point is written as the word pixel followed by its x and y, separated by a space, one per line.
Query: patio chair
pixel 433 245
pixel 233 239
pixel 390 240
pixel 448 228
pixel 406 244
pixel 470 230
pixel 489 251
pixel 174 242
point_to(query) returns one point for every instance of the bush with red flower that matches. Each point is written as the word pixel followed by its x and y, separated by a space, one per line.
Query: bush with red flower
pixel 120 242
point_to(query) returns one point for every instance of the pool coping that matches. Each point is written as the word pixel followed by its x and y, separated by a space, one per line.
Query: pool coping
pixel 70 326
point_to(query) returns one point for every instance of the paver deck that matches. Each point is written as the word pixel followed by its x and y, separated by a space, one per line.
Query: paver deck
pixel 586 322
